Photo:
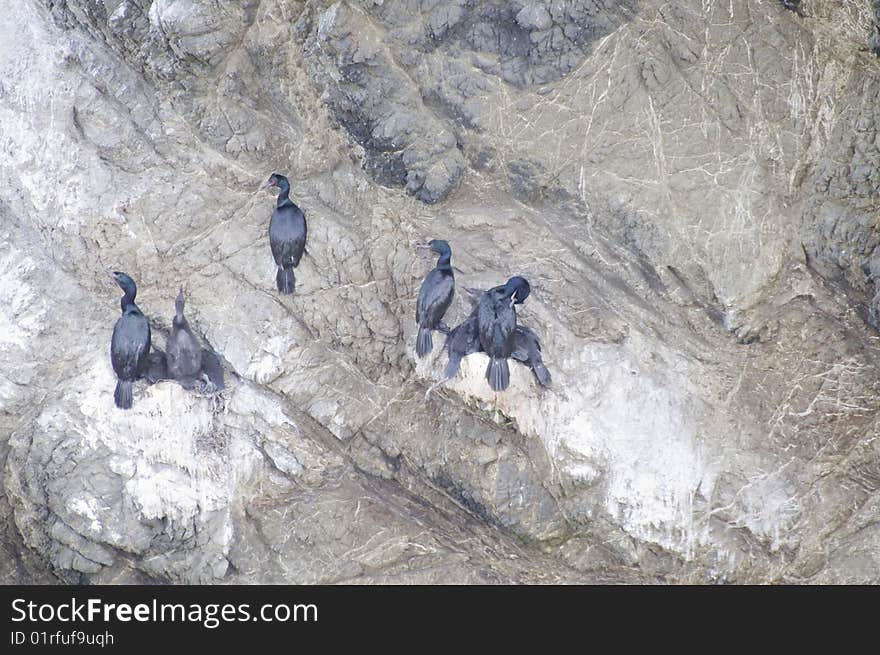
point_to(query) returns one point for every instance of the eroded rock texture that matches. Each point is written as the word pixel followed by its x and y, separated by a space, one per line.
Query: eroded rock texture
pixel 691 188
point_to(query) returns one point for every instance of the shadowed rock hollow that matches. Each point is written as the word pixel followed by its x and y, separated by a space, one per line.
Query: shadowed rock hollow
pixel 691 190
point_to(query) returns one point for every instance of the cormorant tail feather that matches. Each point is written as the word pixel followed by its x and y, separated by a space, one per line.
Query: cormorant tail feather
pixel 452 366
pixel 424 342
pixel 285 280
pixel 498 374
pixel 543 375
pixel 122 395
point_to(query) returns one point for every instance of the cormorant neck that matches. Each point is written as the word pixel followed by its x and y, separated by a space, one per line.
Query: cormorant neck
pixel 284 196
pixel 178 310
pixel 443 263
pixel 128 299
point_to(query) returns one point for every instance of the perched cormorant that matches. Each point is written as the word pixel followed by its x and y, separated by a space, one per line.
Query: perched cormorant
pixel 156 368
pixel 435 296
pixel 527 349
pixel 183 351
pixel 287 234
pixel 464 340
pixel 130 344
pixel 212 371
pixel 795 6
pixel 461 341
pixel 496 323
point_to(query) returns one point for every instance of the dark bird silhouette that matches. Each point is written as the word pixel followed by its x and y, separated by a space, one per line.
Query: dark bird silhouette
pixel 130 344
pixel 435 296
pixel 156 368
pixel 793 5
pixel 183 351
pixel 527 349
pixel 287 234
pixel 212 371
pixel 464 340
pixel 188 362
pixel 496 323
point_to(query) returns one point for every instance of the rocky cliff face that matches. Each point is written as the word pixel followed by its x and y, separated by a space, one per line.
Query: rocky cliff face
pixel 692 191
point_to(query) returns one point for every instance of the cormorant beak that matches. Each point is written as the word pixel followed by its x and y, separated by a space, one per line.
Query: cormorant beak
pixel 513 298
pixel 269 182
pixel 422 246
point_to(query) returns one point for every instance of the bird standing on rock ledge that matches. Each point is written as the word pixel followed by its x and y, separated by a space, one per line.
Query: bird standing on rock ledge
pixel 130 344
pixel 435 296
pixel 795 6
pixel 287 234
pixel 183 351
pixel 496 322
pixel 464 340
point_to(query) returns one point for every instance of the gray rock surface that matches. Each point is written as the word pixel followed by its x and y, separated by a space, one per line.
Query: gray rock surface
pixel 691 189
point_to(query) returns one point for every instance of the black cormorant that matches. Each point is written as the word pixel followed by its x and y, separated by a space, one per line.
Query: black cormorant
pixel 212 371
pixel 496 323
pixel 435 296
pixel 464 340
pixel 183 351
pixel 130 345
pixel 156 368
pixel 527 349
pixel 287 234
pixel 795 6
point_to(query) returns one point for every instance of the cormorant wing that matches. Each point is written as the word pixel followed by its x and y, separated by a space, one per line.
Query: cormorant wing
pixel 213 368
pixel 435 294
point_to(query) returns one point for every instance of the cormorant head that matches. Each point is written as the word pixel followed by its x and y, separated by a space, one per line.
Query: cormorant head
pixel 124 281
pixel 518 289
pixel 440 246
pixel 127 285
pixel 276 180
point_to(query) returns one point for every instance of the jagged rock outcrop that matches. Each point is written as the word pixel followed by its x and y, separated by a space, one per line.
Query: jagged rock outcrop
pixel 691 191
